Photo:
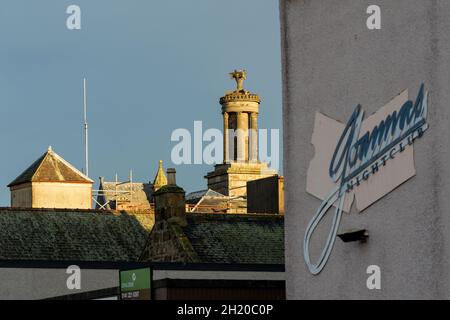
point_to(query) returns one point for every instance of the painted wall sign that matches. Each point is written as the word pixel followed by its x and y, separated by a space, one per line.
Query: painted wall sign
pixel 364 160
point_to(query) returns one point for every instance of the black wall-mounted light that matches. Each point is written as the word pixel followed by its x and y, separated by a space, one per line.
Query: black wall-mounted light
pixel 358 235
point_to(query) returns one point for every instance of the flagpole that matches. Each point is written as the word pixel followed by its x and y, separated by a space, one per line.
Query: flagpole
pixel 86 146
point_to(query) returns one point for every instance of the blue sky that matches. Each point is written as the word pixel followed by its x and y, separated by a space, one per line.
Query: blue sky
pixel 152 67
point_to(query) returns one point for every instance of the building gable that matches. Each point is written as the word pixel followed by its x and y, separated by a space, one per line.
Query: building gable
pixel 50 167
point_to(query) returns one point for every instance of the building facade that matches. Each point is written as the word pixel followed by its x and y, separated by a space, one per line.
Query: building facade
pixel 51 182
pixel 334 69
pixel 191 255
pixel 266 195
pixel 188 237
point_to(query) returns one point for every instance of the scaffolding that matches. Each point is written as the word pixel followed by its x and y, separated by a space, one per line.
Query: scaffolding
pixel 120 197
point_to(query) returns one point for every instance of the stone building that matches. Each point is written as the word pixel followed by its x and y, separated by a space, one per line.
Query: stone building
pixel 240 110
pixel 192 256
pixel 180 236
pixel 51 182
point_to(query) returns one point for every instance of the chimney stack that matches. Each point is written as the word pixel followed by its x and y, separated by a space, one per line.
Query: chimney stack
pixel 170 202
pixel 171 176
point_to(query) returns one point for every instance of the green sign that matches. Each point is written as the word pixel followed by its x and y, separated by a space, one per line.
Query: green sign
pixel 135 284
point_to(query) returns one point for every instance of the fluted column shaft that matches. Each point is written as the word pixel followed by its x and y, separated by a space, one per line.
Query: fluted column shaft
pixel 226 144
pixel 254 137
pixel 242 136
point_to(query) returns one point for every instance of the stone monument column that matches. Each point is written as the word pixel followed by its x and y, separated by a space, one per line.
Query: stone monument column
pixel 226 144
pixel 242 136
pixel 240 110
pixel 254 137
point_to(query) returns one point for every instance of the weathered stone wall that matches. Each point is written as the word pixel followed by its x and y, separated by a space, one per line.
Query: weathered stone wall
pixel 61 195
pixel 21 196
pixel 231 179
pixel 167 243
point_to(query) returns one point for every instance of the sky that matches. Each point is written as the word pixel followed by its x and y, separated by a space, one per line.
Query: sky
pixel 151 67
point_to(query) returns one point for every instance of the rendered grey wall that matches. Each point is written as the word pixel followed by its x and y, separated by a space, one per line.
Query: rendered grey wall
pixel 33 283
pixel 42 283
pixel 331 63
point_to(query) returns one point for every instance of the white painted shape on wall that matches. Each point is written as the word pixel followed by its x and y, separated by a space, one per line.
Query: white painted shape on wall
pixel 325 136
pixel 396 171
pixel 324 139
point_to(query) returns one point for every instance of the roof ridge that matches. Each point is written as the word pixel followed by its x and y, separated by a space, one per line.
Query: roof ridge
pixel 23 175
pixel 40 164
pixel 68 164
pixel 56 163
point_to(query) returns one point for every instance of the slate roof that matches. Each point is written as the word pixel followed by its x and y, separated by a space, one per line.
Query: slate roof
pixel 50 167
pixel 77 235
pixel 236 238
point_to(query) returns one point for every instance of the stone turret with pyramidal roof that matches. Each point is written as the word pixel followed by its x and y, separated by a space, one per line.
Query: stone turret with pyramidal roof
pixel 51 182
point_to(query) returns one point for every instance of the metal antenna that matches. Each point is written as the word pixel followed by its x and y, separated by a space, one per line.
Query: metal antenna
pixel 86 146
